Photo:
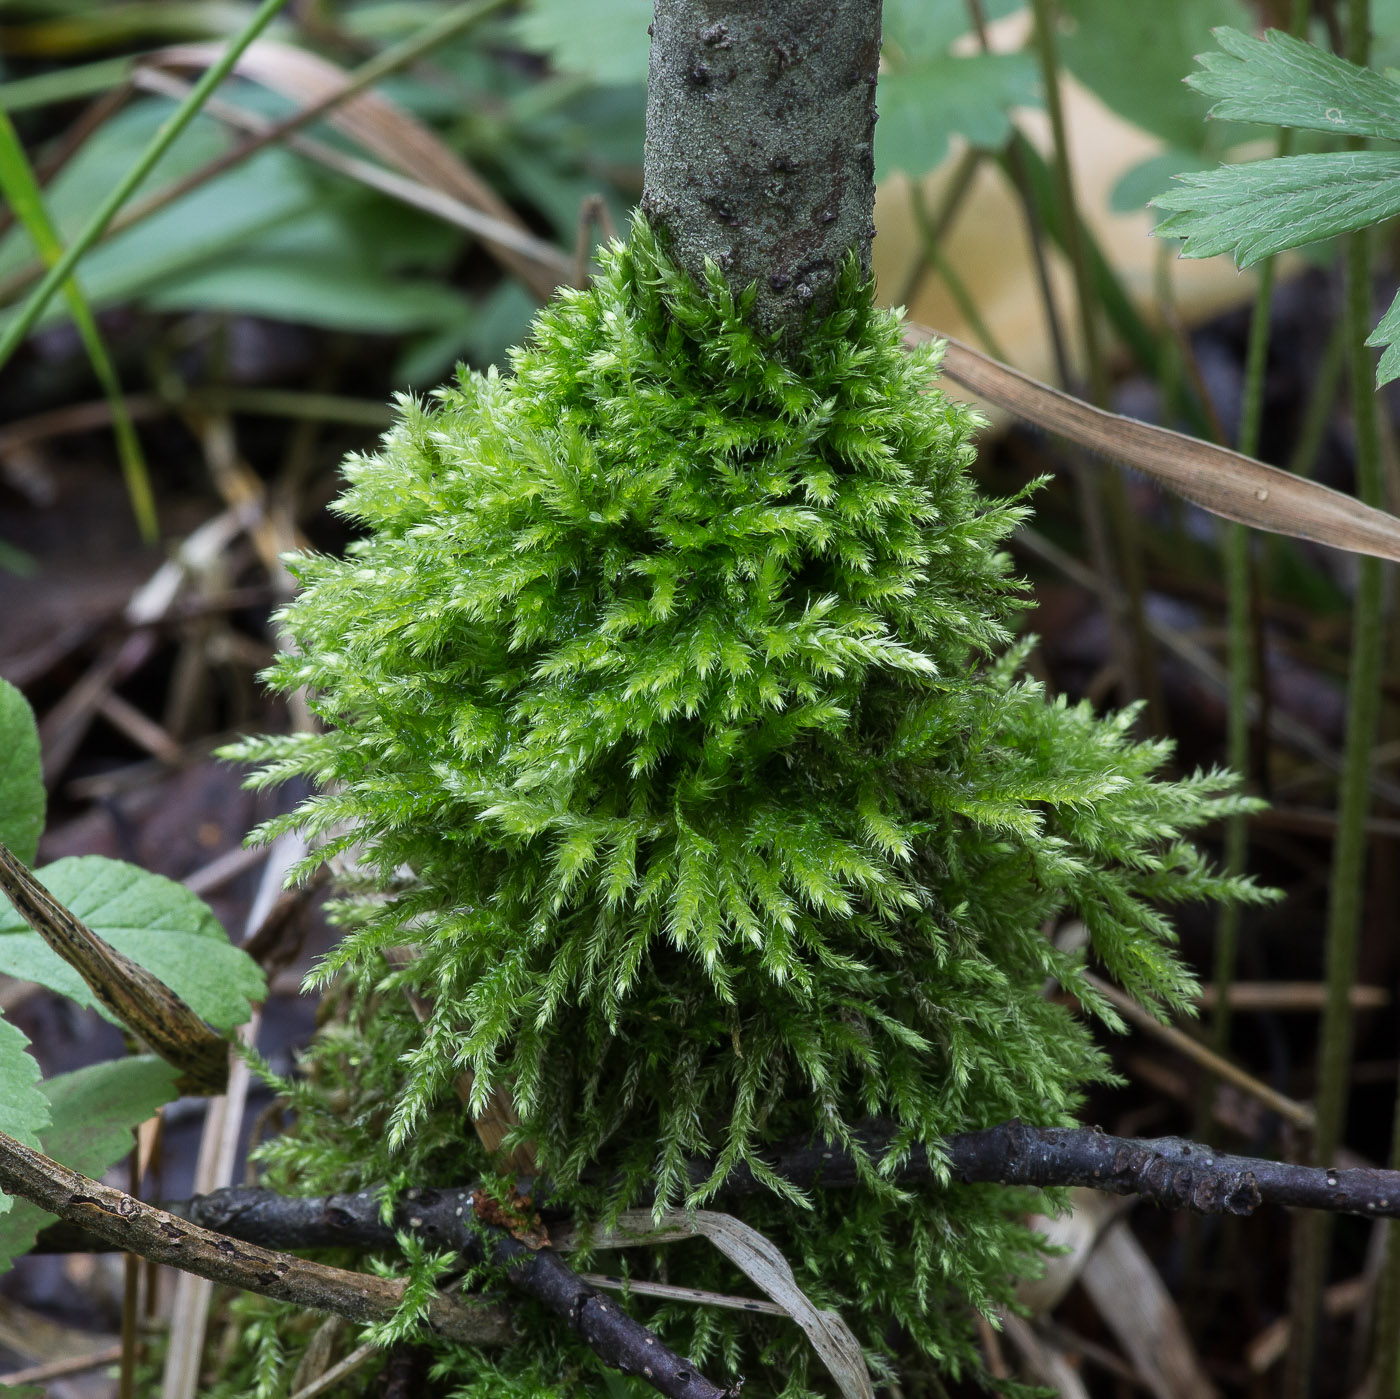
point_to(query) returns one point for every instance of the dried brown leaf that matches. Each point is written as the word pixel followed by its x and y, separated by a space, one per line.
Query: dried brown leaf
pixel 378 125
pixel 1230 485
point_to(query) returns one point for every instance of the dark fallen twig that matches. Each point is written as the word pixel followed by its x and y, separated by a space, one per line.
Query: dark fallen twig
pixel 1169 1171
pixel 214 1237
pixel 1172 1173
pixel 448 1219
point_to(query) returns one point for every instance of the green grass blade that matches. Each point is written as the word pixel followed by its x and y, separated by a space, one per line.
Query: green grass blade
pixel 19 185
pixel 164 138
pixel 68 84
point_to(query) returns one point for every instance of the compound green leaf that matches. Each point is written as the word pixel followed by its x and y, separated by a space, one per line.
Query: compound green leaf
pixel 1387 334
pixel 21 778
pixel 24 1111
pixel 154 921
pixel 1134 56
pixel 93 1112
pixel 1282 81
pixel 1268 206
pixel 924 105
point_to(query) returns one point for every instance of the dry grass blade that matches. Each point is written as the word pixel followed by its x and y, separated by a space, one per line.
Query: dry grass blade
pixel 1136 1306
pixel 1227 484
pixel 669 1292
pixel 338 1373
pixel 145 1005
pixel 760 1261
pixel 1047 1365
pixel 1299 1114
pixel 502 236
pixel 385 129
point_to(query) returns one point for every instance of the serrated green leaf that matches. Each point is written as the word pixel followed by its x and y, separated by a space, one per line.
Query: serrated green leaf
pixel 1282 81
pixel 24 1111
pixel 21 777
pixel 924 105
pixel 154 921
pixel 1387 334
pixel 1134 56
pixel 606 40
pixel 93 1112
pixel 1269 206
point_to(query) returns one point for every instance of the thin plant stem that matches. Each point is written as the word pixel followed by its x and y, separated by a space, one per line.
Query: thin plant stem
pixel 957 288
pixel 1240 624
pixel 1035 234
pixel 1135 651
pixel 950 202
pixel 1317 411
pixel 21 187
pixel 1346 899
pixel 24 320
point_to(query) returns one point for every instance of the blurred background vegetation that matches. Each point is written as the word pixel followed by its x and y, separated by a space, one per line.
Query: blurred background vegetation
pixel 261 298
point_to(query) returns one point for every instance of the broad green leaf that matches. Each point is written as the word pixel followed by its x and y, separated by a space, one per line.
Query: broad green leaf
pixel 21 777
pixel 924 105
pixel 93 1112
pixel 274 237
pixel 1135 187
pixel 1268 206
pixel 1387 334
pixel 319 291
pixel 605 40
pixel 916 30
pixel 1282 81
pixel 154 921
pixel 24 1111
pixel 1133 56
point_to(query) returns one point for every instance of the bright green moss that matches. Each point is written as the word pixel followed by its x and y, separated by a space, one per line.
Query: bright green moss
pixel 663 710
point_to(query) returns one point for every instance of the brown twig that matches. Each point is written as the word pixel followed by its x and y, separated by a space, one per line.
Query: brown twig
pixel 224 1253
pixel 131 1226
pixel 142 1002
pixel 1170 1172
pixel 59 1369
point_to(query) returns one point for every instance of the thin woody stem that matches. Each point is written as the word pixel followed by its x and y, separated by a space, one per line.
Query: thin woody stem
pixel 1171 1172
pixel 232 1254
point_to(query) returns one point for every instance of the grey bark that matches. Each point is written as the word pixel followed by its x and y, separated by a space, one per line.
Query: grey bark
pixel 759 154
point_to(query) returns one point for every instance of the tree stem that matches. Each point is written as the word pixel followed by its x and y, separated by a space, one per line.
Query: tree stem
pixel 759 149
